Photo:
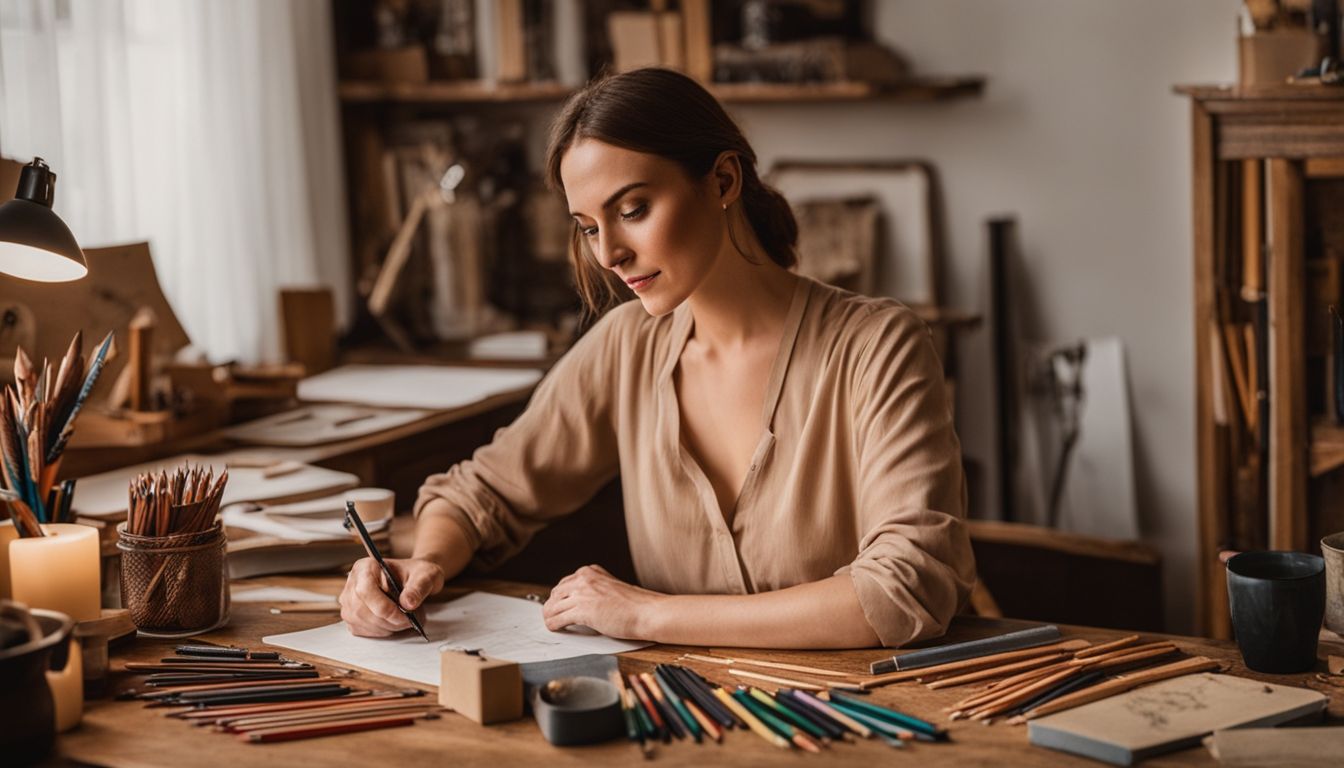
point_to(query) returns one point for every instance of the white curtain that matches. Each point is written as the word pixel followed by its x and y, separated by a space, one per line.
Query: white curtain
pixel 207 127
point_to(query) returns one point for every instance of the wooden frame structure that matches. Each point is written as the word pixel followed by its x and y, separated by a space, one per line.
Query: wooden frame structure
pixel 1279 137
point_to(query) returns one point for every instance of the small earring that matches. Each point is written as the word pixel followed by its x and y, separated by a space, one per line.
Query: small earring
pixel 725 206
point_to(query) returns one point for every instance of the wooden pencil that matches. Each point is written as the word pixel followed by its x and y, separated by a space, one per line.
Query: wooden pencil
pixel 992 672
pixel 1107 647
pixel 1008 701
pixel 1137 650
pixel 262 722
pixel 329 729
pixel 1124 683
pixel 729 660
pixel 783 681
pixel 314 607
pixel 210 714
pixel 972 664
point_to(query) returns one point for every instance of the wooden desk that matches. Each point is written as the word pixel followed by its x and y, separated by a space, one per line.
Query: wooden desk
pixel 125 733
pixel 398 458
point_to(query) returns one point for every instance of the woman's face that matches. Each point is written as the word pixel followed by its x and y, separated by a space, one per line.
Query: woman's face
pixel 644 220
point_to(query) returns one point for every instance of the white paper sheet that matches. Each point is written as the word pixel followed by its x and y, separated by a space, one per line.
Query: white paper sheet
pixel 436 387
pixel 500 627
pixel 105 495
pixel 280 595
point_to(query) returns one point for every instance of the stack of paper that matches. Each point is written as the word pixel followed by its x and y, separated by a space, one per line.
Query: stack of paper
pixel 250 479
pixel 314 520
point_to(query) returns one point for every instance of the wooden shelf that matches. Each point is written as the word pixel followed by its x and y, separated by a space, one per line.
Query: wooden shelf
pixel 1327 447
pixel 920 89
pixel 450 92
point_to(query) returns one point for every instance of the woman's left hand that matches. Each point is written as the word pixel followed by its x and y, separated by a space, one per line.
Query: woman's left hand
pixel 592 597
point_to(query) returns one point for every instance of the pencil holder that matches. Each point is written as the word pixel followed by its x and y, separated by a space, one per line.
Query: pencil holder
pixel 175 585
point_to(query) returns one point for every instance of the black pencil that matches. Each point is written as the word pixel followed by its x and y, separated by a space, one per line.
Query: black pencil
pixel 280 694
pixel 804 712
pixel 250 689
pixel 1068 686
pixel 353 520
pixel 696 678
pixel 708 704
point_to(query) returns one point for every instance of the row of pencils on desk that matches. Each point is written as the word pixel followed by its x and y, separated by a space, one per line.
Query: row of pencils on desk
pixel 262 697
pixel 675 702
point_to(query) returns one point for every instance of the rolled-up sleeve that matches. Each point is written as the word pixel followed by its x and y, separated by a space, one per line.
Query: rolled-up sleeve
pixel 915 567
pixel 554 457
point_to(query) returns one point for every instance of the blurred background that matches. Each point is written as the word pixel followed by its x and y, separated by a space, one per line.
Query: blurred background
pixel 320 182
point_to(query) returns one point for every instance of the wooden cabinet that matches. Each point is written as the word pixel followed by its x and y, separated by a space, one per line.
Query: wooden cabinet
pixel 1269 241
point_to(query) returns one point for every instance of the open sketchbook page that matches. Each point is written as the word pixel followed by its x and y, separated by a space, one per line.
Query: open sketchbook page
pixel 499 627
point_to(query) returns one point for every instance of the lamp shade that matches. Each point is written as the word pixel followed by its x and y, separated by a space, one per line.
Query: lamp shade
pixel 34 243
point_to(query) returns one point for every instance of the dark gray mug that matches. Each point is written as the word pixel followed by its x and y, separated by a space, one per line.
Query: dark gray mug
pixel 1277 601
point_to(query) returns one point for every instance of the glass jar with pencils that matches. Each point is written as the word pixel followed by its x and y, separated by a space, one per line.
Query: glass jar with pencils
pixel 174 571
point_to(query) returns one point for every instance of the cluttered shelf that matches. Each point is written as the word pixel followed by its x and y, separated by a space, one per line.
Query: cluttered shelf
pixel 914 89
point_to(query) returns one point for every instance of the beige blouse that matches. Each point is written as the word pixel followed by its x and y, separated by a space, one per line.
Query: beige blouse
pixel 858 470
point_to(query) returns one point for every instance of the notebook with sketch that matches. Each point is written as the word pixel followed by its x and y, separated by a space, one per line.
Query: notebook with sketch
pixel 1171 715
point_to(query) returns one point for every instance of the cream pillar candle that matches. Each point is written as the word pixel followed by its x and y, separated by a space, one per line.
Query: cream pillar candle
pixel 59 571
pixel 8 533
pixel 67 689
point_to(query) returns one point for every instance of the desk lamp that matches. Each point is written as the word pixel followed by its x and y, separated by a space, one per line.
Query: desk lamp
pixel 34 243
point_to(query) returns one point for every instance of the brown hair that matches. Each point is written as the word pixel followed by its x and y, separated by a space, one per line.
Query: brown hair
pixel 665 113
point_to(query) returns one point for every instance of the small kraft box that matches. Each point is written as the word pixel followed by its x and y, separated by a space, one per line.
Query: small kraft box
pixel 481 689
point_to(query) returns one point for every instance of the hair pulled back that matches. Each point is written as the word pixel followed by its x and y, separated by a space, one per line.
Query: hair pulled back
pixel 665 113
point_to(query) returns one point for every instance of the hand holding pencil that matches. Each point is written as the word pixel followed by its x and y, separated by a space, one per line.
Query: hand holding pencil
pixel 365 606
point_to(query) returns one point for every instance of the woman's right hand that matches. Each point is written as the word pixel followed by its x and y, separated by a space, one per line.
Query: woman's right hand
pixel 367 609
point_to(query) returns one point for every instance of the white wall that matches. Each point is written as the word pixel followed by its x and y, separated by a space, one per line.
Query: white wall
pixel 1080 137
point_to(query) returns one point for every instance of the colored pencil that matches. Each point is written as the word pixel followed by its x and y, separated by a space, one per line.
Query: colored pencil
pixel 664 733
pixel 899 718
pixel 710 728
pixel 831 712
pixel 787 715
pixel 692 725
pixel 774 723
pixel 834 730
pixel 670 716
pixel 745 715
pixel 891 734
pixel 633 730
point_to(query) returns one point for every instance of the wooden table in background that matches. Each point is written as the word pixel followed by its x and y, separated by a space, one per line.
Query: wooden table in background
pixel 125 734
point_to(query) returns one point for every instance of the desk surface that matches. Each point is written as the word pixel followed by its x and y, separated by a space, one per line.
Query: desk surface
pixel 125 733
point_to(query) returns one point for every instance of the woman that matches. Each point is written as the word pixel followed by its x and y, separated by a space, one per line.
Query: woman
pixel 790 473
